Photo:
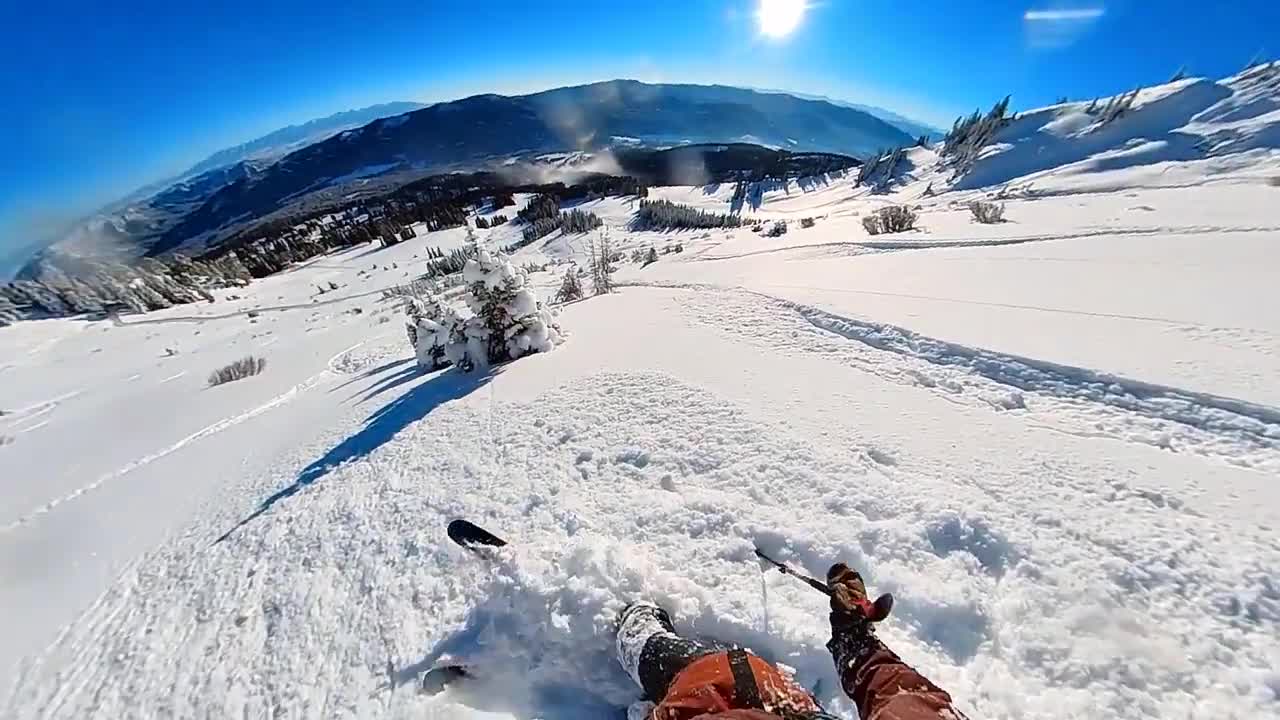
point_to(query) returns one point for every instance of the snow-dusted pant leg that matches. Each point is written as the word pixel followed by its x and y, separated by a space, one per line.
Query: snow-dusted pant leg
pixel 652 653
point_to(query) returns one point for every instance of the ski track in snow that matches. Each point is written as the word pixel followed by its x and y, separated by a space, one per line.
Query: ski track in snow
pixel 333 367
pixel 219 426
pixel 1103 405
pixel 1014 306
pixel 917 241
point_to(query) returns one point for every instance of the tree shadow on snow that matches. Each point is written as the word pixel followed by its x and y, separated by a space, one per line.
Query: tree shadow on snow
pixel 380 427
pixel 364 374
pixel 393 381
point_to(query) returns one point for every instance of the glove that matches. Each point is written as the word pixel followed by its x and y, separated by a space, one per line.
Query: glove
pixel 852 637
pixel 848 596
pixel 849 605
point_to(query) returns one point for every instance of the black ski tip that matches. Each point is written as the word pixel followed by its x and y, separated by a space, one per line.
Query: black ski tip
pixel 468 534
pixel 437 679
pixel 881 608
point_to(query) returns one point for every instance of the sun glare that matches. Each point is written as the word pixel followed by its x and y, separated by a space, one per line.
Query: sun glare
pixel 778 18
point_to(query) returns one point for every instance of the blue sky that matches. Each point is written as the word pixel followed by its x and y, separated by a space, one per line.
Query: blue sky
pixel 101 98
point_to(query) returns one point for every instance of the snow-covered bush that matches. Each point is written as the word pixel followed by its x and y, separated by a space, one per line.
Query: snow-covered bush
pixel 244 367
pixel 508 320
pixel 428 328
pixel 987 213
pixel 778 229
pixel 890 219
pixel 651 257
pixel 807 222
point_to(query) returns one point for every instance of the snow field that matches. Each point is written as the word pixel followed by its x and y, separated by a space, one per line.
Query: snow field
pixel 613 485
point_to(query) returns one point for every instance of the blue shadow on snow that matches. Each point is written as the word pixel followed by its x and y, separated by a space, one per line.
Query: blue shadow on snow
pixel 380 427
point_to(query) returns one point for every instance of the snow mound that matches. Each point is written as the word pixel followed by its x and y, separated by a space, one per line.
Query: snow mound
pixel 1187 120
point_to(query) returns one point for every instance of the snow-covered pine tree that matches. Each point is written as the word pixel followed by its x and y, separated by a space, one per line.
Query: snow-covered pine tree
pixel 508 320
pixel 9 313
pixel 43 299
pixel 868 167
pixel 429 329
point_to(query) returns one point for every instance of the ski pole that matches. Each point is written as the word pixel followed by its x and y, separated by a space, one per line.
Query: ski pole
pixel 814 583
pixel 875 612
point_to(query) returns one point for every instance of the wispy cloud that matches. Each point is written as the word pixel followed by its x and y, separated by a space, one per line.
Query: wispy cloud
pixel 1066 14
pixel 1059 25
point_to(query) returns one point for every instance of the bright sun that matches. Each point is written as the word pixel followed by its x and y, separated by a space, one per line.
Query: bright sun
pixel 778 18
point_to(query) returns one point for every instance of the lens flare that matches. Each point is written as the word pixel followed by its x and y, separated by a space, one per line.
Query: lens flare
pixel 778 18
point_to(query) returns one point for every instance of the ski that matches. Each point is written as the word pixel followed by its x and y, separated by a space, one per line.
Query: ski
pixel 438 679
pixel 469 535
pixel 472 537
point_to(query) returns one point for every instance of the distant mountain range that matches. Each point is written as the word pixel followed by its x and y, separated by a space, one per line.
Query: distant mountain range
pixel 238 186
pixel 293 137
pixel 913 128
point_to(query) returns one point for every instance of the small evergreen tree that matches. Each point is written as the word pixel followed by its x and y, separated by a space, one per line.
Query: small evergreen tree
pixel 570 287
pixel 429 329
pixel 508 320
pixel 600 252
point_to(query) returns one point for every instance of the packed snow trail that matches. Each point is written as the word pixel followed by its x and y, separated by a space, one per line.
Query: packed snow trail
pixel 658 482
pixel 1077 400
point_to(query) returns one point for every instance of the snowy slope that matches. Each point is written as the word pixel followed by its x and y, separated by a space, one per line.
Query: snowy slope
pixel 1175 134
pixel 1055 440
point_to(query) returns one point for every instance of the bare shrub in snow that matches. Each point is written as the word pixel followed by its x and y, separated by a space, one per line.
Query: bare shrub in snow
pixel 244 367
pixel 807 222
pixel 987 213
pixel 778 229
pixel 570 287
pixel 650 257
pixel 890 219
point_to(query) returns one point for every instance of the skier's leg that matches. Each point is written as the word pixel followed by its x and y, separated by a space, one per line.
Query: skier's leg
pixel 650 650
